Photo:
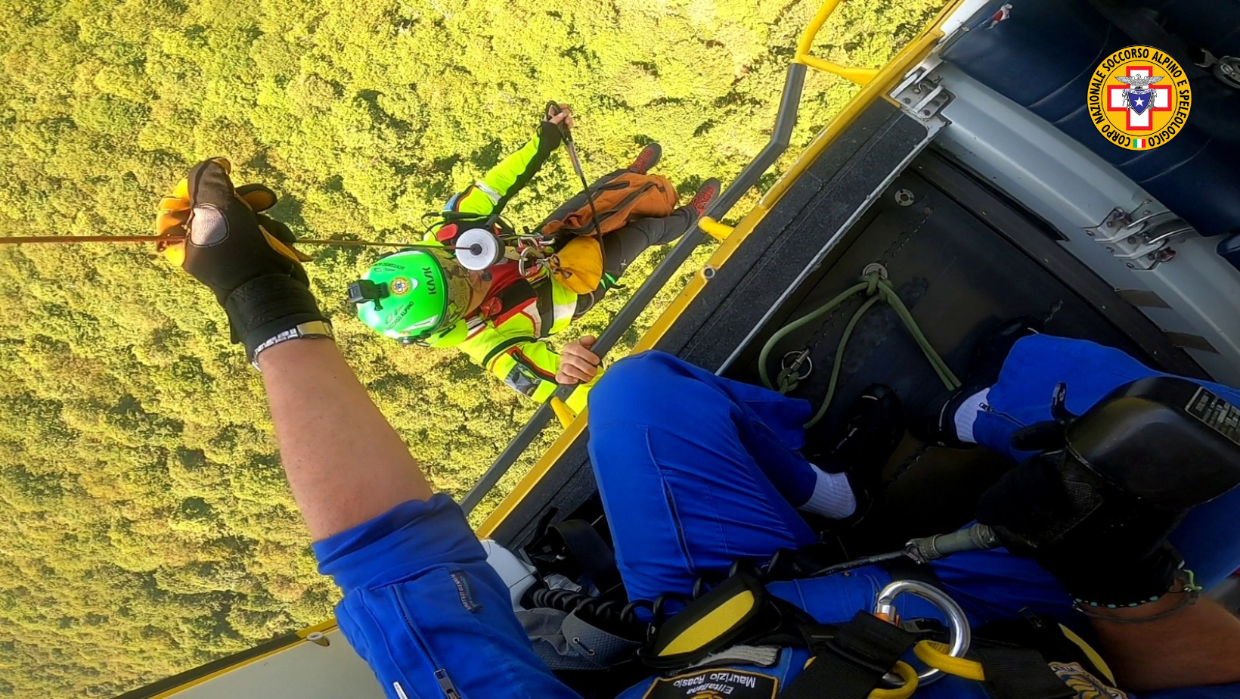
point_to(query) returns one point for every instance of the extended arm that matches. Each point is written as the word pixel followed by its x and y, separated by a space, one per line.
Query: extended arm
pixel 420 605
pixel 530 367
pixel 344 462
pixel 500 183
pixel 507 178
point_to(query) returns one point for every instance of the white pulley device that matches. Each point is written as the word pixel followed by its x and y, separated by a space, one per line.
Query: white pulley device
pixel 516 574
pixel 477 249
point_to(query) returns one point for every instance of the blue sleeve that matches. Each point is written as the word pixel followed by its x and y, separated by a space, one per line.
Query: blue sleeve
pixel 425 610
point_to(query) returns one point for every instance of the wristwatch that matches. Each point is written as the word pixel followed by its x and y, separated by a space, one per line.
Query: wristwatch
pixel 308 330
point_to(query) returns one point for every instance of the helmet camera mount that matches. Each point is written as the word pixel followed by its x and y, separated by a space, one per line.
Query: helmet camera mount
pixel 364 290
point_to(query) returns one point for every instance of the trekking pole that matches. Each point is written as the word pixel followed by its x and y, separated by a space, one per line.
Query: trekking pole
pixel 566 133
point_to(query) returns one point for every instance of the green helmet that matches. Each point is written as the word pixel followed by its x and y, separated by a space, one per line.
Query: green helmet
pixel 413 293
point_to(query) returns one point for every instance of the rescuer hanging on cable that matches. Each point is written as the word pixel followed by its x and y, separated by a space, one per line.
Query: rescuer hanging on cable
pixel 496 295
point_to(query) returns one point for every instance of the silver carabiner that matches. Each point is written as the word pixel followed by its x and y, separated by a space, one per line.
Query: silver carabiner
pixel 960 635
pixel 793 361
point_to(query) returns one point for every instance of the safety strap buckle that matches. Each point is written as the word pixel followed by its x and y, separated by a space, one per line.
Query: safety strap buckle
pixel 822 639
pixel 850 660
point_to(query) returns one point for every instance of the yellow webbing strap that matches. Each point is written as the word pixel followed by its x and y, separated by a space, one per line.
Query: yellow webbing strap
pixel 906 673
pixel 935 655
pixel 1089 653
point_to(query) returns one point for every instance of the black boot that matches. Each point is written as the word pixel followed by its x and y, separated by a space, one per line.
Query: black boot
pixel 936 423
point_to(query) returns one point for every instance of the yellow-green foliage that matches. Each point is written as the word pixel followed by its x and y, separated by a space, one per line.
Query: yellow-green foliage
pixel 145 526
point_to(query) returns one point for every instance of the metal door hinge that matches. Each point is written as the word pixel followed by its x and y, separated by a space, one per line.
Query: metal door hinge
pixel 921 94
pixel 1142 238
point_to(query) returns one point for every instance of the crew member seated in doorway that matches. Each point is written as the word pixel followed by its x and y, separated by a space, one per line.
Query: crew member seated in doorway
pixel 696 472
pixel 1010 393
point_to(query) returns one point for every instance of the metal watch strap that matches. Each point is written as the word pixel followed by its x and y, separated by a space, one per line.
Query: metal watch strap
pixel 312 329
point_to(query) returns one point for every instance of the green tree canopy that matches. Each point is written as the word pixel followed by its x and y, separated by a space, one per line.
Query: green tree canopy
pixel 145 526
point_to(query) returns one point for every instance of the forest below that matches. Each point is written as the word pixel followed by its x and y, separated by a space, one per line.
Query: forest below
pixel 145 525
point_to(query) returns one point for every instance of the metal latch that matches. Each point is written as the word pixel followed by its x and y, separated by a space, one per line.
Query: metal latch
pixel 921 95
pixel 1141 238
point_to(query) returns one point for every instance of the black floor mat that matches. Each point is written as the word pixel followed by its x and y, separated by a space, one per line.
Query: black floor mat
pixel 958 278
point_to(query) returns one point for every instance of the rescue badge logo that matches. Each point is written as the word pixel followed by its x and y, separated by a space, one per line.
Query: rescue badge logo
pixel 715 684
pixel 1139 98
pixel 401 286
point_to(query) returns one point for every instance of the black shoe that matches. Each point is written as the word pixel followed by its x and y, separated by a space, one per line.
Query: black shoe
pixel 864 443
pixel 705 195
pixel 936 423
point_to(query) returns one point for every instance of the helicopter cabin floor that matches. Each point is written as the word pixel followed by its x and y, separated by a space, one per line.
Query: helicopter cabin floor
pixel 960 255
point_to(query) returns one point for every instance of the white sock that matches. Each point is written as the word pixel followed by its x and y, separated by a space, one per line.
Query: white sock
pixel 833 496
pixel 966 415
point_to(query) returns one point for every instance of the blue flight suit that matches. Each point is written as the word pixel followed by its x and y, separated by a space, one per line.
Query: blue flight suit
pixel 1209 538
pixel 695 471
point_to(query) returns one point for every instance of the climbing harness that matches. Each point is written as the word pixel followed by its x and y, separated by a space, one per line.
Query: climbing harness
pixel 485 241
pixel 650 619
pixel 731 618
pixel 874 285
pixel 960 634
pixel 534 252
pixel 784 564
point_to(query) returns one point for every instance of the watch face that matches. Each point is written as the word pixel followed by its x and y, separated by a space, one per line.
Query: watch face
pixel 315 328
pixel 310 329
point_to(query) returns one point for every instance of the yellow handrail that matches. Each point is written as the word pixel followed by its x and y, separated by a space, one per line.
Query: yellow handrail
pixel 860 76
pixel 562 411
pixel 714 229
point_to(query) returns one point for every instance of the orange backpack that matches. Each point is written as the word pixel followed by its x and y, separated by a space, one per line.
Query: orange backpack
pixel 618 201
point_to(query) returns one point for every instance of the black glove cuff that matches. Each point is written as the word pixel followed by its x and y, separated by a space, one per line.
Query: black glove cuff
pixel 268 305
pixel 550 136
pixel 1112 584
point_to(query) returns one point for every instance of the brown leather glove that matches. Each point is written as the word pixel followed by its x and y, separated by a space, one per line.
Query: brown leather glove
pixel 246 258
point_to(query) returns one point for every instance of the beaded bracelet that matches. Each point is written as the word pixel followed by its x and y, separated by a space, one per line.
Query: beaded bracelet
pixel 1190 590
pixel 1188 599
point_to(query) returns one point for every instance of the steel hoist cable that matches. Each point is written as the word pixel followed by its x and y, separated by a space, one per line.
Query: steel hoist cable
pixel 874 286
